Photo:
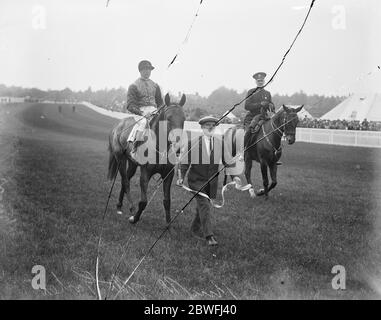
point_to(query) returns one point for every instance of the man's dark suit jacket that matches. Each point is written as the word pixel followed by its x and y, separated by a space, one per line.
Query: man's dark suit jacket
pixel 202 167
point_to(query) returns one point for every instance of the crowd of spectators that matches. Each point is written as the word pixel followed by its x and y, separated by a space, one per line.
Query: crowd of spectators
pixel 341 124
pixel 197 113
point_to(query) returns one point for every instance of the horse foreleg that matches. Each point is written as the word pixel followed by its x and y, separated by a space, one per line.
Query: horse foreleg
pixel 122 171
pixel 273 170
pixel 131 169
pixel 248 166
pixel 143 199
pixel 265 179
pixel 167 197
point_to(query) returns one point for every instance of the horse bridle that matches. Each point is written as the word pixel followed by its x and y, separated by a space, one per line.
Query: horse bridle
pixel 276 129
pixel 280 131
pixel 160 111
pixel 283 131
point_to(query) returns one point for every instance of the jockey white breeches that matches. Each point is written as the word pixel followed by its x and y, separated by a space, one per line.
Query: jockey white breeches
pixel 141 123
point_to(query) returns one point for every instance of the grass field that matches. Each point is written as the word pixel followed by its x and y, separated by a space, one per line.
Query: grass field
pixel 324 212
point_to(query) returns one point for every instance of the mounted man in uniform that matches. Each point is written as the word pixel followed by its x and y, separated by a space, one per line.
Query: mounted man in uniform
pixel 258 104
pixel 259 107
pixel 143 98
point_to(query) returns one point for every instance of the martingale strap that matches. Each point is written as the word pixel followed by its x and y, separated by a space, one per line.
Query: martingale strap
pixel 237 184
pixel 276 151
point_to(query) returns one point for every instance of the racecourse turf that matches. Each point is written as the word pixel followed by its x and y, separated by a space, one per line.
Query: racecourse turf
pixel 324 212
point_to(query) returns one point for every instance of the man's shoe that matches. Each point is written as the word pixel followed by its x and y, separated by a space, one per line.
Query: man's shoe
pixel 197 234
pixel 211 241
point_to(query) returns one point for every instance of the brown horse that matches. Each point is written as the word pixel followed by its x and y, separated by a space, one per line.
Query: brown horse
pixel 265 146
pixel 166 126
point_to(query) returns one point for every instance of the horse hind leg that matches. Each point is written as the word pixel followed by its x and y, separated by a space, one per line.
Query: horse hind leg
pixel 122 171
pixel 131 170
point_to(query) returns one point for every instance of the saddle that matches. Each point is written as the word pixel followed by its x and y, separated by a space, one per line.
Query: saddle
pixel 254 129
pixel 251 133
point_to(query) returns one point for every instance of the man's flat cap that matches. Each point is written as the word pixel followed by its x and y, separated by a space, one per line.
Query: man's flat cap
pixel 259 76
pixel 145 64
pixel 208 119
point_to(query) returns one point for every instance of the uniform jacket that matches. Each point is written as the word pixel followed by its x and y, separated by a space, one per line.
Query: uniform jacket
pixel 253 104
pixel 143 93
pixel 201 167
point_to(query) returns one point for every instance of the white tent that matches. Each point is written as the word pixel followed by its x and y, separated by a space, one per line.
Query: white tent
pixel 357 107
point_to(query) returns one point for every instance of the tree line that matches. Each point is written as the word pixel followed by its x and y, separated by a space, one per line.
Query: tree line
pixel 218 101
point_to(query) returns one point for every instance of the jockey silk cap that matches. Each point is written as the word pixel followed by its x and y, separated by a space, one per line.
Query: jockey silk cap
pixel 145 64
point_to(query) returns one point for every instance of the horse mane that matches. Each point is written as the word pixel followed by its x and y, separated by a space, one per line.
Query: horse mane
pixel 278 114
pixel 156 118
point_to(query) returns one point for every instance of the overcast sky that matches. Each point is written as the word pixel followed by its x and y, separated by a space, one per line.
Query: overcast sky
pixel 56 44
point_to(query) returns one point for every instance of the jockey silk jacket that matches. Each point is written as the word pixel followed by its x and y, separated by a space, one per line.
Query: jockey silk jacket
pixel 143 93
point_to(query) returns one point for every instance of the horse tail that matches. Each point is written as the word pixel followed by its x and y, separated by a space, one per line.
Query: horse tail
pixel 112 163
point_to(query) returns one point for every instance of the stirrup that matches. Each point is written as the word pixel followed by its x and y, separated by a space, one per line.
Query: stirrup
pixel 131 146
pixel 255 130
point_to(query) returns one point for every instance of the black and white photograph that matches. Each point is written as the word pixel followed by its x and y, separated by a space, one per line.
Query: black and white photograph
pixel 207 152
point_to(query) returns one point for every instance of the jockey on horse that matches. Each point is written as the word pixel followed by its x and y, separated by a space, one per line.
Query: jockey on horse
pixel 143 98
pixel 259 105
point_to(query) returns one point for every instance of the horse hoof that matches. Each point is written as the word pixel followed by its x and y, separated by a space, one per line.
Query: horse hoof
pixel 132 220
pixel 260 192
pixel 119 212
pixel 252 193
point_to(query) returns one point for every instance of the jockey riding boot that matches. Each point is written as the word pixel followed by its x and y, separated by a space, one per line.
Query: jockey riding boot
pixel 254 128
pixel 133 145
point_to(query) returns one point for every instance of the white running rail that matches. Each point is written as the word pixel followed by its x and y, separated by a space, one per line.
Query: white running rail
pixel 355 138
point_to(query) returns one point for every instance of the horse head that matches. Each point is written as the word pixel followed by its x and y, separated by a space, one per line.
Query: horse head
pixel 172 120
pixel 290 121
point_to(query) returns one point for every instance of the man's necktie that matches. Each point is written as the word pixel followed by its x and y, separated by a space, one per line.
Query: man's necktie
pixel 211 150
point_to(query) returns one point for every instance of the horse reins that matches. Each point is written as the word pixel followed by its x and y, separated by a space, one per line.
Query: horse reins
pixel 276 130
